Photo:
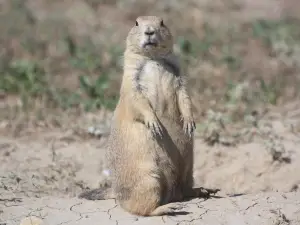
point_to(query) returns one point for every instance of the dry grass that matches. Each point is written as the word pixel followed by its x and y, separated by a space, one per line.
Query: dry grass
pixel 61 60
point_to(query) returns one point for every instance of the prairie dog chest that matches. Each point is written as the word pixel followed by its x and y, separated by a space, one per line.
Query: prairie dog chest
pixel 157 81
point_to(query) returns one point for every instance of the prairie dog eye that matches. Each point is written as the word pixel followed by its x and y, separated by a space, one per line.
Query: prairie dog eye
pixel 162 23
pixel 136 23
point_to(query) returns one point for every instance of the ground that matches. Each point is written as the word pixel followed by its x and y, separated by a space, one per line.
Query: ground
pixel 60 71
pixel 47 171
pixel 265 209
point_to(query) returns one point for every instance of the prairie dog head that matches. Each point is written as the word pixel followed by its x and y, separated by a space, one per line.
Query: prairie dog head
pixel 150 37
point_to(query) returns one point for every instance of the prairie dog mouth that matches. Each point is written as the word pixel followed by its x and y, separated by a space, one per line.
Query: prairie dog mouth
pixel 150 43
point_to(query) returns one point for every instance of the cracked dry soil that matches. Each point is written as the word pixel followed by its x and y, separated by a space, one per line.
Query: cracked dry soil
pixel 271 208
pixel 41 175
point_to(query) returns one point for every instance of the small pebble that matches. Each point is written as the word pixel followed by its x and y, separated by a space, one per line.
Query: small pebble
pixel 106 172
pixel 32 220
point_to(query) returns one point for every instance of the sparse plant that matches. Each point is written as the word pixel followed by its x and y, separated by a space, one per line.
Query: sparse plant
pixel 25 78
pixel 282 37
pixel 265 132
pixel 214 130
pixel 96 91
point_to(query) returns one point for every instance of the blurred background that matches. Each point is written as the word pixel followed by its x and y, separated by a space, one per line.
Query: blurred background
pixel 61 68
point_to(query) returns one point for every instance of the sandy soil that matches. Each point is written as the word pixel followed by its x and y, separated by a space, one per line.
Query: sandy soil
pixel 60 163
pixel 38 171
pixel 263 209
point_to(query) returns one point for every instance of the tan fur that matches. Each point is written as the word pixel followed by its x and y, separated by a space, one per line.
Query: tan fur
pixel 150 148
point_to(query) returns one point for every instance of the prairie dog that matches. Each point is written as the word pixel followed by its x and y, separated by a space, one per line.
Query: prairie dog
pixel 150 148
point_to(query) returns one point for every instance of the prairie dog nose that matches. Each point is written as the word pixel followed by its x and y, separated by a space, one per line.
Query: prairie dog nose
pixel 149 31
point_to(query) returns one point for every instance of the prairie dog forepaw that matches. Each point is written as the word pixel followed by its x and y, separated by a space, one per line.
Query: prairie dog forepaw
pixel 189 126
pixel 153 124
